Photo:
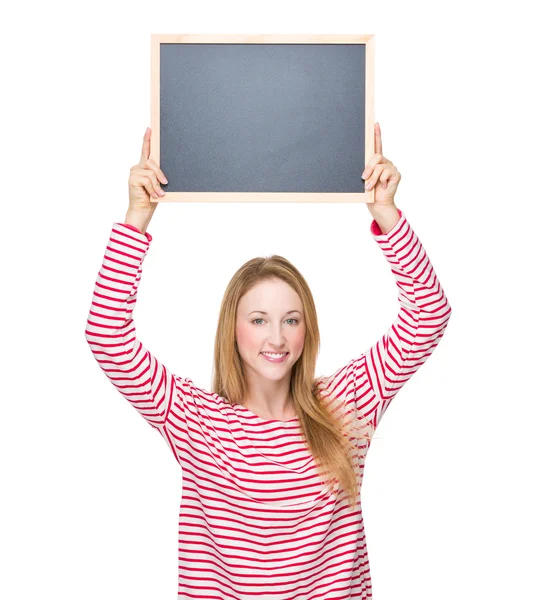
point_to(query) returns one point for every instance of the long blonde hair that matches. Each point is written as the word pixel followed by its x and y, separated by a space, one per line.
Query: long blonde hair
pixel 328 436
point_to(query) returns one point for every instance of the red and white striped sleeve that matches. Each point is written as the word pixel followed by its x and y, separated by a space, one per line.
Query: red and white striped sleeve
pixel 371 380
pixel 111 332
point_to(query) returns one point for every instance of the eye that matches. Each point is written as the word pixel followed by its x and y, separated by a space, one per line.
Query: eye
pixel 291 319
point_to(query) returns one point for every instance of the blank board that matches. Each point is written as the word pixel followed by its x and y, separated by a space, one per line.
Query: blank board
pixel 262 118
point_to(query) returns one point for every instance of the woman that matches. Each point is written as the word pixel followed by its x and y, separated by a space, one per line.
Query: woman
pixel 273 458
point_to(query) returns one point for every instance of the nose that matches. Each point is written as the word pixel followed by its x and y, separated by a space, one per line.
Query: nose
pixel 277 339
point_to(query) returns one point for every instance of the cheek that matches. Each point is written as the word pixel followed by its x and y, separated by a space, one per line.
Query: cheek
pixel 246 336
pixel 297 339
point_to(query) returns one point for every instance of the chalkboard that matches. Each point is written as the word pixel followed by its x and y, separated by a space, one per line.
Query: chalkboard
pixel 262 118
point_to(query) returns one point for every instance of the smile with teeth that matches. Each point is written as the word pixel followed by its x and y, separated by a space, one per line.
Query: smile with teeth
pixel 271 356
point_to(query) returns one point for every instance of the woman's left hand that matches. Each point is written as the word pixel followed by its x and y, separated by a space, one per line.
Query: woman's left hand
pixel 381 174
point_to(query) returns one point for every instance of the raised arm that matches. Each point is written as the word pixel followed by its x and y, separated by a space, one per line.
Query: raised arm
pixel 111 332
pixel 371 380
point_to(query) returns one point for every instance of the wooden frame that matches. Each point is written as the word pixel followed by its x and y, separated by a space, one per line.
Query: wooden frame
pixel 158 39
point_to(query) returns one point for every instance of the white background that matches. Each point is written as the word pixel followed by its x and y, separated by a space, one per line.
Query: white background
pixel 452 492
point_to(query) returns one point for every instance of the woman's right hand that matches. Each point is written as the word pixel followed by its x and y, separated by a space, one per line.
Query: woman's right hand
pixel 144 181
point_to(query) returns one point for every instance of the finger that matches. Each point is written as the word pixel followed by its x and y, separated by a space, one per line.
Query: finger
pixel 151 184
pixel 154 181
pixel 150 163
pixel 149 187
pixel 375 176
pixel 378 139
pixel 145 183
pixel 374 160
pixel 385 177
pixel 146 148
pixel 395 177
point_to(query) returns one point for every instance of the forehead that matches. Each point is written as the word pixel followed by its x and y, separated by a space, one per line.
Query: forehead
pixel 269 292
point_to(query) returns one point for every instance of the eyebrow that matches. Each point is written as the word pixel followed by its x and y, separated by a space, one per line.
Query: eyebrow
pixel 265 313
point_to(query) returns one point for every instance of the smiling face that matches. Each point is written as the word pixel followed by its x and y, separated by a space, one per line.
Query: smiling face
pixel 265 323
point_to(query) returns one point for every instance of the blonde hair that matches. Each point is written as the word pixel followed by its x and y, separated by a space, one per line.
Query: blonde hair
pixel 328 436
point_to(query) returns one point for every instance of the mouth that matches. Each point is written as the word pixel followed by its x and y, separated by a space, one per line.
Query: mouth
pixel 275 359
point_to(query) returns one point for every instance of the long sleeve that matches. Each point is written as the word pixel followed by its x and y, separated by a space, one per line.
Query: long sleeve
pixel 134 228
pixel 371 380
pixel 111 332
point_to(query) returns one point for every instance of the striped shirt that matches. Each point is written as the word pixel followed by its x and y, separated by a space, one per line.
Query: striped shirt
pixel 256 521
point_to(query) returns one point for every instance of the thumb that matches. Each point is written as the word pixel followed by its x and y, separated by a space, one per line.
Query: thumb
pixel 146 148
